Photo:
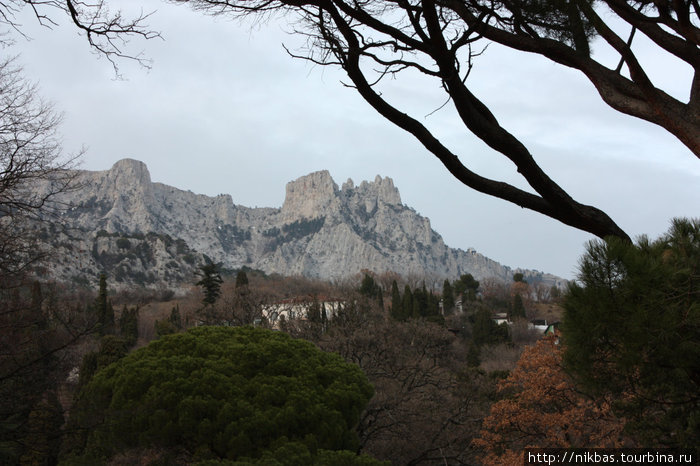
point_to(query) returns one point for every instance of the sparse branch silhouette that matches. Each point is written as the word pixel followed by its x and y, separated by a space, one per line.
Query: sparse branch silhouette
pixel 33 171
pixel 107 31
pixel 373 39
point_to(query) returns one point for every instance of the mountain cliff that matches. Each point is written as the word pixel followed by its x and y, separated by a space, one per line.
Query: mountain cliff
pixel 321 231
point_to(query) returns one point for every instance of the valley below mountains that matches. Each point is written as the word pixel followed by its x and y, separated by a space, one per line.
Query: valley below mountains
pixel 143 233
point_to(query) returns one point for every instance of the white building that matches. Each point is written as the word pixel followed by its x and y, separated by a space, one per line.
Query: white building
pixel 298 309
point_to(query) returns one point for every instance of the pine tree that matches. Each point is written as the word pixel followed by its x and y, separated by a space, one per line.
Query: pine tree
pixel 210 282
pixel 632 332
pixel 467 287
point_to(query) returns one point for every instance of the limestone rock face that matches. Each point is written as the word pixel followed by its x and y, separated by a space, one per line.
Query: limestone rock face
pixel 309 196
pixel 320 231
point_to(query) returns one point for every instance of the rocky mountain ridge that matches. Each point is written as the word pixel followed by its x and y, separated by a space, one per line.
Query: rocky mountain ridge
pixel 321 231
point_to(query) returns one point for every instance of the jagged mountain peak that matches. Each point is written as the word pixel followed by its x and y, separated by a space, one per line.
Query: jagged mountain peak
pixel 320 231
pixel 316 194
pixel 309 196
pixel 382 189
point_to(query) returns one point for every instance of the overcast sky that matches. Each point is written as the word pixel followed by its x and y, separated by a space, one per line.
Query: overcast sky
pixel 224 109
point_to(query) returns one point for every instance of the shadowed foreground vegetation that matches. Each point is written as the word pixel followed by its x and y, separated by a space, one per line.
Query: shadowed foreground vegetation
pixel 379 369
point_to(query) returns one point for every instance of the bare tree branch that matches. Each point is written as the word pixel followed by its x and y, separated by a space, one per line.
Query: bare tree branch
pixel 108 33
pixel 431 36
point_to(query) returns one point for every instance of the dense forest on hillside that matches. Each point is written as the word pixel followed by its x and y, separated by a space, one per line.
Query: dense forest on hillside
pixel 375 369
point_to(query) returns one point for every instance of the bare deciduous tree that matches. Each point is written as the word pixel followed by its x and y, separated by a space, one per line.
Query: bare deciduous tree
pixel 375 39
pixel 38 330
pixel 33 171
pixel 425 408
pixel 107 31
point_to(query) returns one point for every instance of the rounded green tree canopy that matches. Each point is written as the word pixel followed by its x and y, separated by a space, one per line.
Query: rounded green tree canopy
pixel 222 392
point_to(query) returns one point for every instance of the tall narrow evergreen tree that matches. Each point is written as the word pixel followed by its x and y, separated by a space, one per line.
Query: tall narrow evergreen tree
pixel 396 308
pixel 314 313
pixel 517 308
pixel 35 305
pixel 241 281
pixel 129 325
pixel 103 308
pixel 485 331
pixel 368 287
pixel 210 282
pixel 175 317
pixel 324 316
pixel 406 303
pixel 448 298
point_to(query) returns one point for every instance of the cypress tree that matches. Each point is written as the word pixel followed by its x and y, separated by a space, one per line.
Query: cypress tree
pixel 314 312
pixel 103 309
pixel 406 303
pixel 473 355
pixel 368 287
pixel 420 302
pixel 35 305
pixel 380 297
pixel 241 281
pixel 324 316
pixel 175 317
pixel 485 331
pixel 129 325
pixel 448 298
pixel 396 309
pixel 517 309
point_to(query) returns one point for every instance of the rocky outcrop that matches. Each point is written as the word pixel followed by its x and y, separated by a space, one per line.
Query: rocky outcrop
pixel 320 231
pixel 310 196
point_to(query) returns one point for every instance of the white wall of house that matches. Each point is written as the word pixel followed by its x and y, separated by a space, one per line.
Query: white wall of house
pixel 297 310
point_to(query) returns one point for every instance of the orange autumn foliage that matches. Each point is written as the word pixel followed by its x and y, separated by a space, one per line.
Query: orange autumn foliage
pixel 541 408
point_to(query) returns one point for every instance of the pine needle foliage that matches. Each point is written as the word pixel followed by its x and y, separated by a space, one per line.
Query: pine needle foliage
pixel 222 393
pixel 632 331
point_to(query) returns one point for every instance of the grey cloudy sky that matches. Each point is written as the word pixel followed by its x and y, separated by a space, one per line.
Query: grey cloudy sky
pixel 224 109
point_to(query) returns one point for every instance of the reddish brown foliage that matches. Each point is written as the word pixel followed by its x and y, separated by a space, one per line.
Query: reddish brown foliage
pixel 541 408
